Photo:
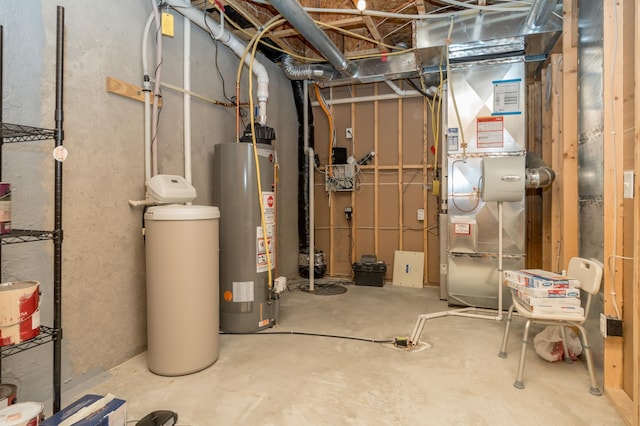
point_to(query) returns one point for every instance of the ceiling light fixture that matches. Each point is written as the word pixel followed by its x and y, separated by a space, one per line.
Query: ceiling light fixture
pixel 362 5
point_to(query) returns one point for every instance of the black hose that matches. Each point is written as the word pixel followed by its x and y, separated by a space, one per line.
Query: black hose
pixel 418 88
pixel 304 333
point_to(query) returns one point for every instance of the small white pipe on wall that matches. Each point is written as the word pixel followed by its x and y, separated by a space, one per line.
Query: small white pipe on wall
pixel 187 99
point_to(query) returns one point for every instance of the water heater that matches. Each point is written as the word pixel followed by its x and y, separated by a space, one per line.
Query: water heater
pixel 245 300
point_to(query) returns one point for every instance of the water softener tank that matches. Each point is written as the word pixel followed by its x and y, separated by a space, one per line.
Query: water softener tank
pixel 245 300
pixel 182 288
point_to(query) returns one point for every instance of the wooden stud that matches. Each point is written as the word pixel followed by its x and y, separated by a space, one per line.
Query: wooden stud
pixel 546 150
pixel 613 209
pixel 128 90
pixel 558 188
pixel 569 128
pixel 635 302
pixel 400 179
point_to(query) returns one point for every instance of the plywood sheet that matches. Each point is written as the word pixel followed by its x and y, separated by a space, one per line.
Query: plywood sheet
pixel 408 268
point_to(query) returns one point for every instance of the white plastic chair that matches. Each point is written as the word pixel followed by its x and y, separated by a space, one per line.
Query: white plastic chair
pixel 589 273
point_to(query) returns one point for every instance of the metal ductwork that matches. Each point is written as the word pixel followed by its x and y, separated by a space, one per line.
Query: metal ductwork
pixel 302 22
pixel 317 72
pixel 480 36
pixel 540 13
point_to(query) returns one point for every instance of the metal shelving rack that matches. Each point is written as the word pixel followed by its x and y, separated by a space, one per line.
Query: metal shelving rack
pixel 14 133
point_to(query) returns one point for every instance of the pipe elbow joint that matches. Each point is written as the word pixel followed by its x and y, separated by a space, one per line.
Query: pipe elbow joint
pixel 349 69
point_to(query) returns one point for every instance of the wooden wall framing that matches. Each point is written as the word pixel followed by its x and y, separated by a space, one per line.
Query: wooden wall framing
pixel 621 152
pixel 393 186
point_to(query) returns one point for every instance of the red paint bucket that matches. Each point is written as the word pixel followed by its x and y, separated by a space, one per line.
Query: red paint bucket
pixel 19 313
pixel 7 394
pixel 22 414
pixel 5 208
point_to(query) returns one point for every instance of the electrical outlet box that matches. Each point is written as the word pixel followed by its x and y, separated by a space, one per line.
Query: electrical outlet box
pixel 628 184
pixel 420 214
pixel 348 211
pixel 348 133
pixel 340 177
pixel 610 326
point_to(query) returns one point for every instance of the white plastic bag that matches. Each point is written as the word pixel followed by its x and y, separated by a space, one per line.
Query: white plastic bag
pixel 548 343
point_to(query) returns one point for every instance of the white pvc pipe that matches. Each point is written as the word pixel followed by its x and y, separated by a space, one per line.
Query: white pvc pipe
pixel 402 93
pixel 232 42
pixel 500 271
pixel 412 17
pixel 146 86
pixel 370 98
pixel 309 150
pixel 187 99
pixel 312 219
pixel 156 89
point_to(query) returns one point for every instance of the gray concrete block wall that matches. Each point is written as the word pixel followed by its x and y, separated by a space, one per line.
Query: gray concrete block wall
pixel 104 316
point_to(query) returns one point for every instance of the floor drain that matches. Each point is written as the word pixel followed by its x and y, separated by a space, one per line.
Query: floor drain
pixel 324 289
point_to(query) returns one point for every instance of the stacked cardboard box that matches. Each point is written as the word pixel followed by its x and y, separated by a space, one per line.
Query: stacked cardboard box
pixel 545 292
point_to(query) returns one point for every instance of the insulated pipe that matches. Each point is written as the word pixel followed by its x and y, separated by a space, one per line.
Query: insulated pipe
pixel 212 27
pixel 301 21
pixel 540 13
pixel 295 71
pixel 187 99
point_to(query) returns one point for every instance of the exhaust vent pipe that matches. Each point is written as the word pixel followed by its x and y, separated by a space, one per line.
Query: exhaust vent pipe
pixel 296 71
pixel 538 174
pixel 303 23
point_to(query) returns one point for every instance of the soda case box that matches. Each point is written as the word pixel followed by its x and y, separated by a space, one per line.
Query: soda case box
pixel 546 301
pixel 578 311
pixel 539 278
pixel 550 292
pixel 92 410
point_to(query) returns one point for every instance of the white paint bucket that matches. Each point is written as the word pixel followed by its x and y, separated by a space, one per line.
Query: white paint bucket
pixel 7 394
pixel 19 313
pixel 22 414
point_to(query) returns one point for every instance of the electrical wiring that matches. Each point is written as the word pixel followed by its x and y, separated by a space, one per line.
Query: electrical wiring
pixel 305 333
pixel 275 21
pixel 325 109
pixel 453 96
pixel 215 43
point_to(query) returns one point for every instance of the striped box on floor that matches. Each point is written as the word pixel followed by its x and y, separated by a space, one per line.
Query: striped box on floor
pixel 91 410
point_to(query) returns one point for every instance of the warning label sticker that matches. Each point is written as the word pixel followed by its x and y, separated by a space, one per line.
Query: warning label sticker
pixel 261 260
pixel 490 132
pixel 269 206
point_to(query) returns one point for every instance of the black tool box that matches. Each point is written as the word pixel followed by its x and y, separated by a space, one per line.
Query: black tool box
pixel 369 271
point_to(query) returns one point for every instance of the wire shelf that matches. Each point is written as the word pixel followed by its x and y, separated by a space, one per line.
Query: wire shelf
pixel 46 335
pixel 24 236
pixel 19 133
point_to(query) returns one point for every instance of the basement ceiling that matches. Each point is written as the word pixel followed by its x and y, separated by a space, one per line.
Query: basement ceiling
pixel 356 35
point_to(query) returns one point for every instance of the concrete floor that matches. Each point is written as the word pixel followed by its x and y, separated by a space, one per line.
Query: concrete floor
pixel 305 380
